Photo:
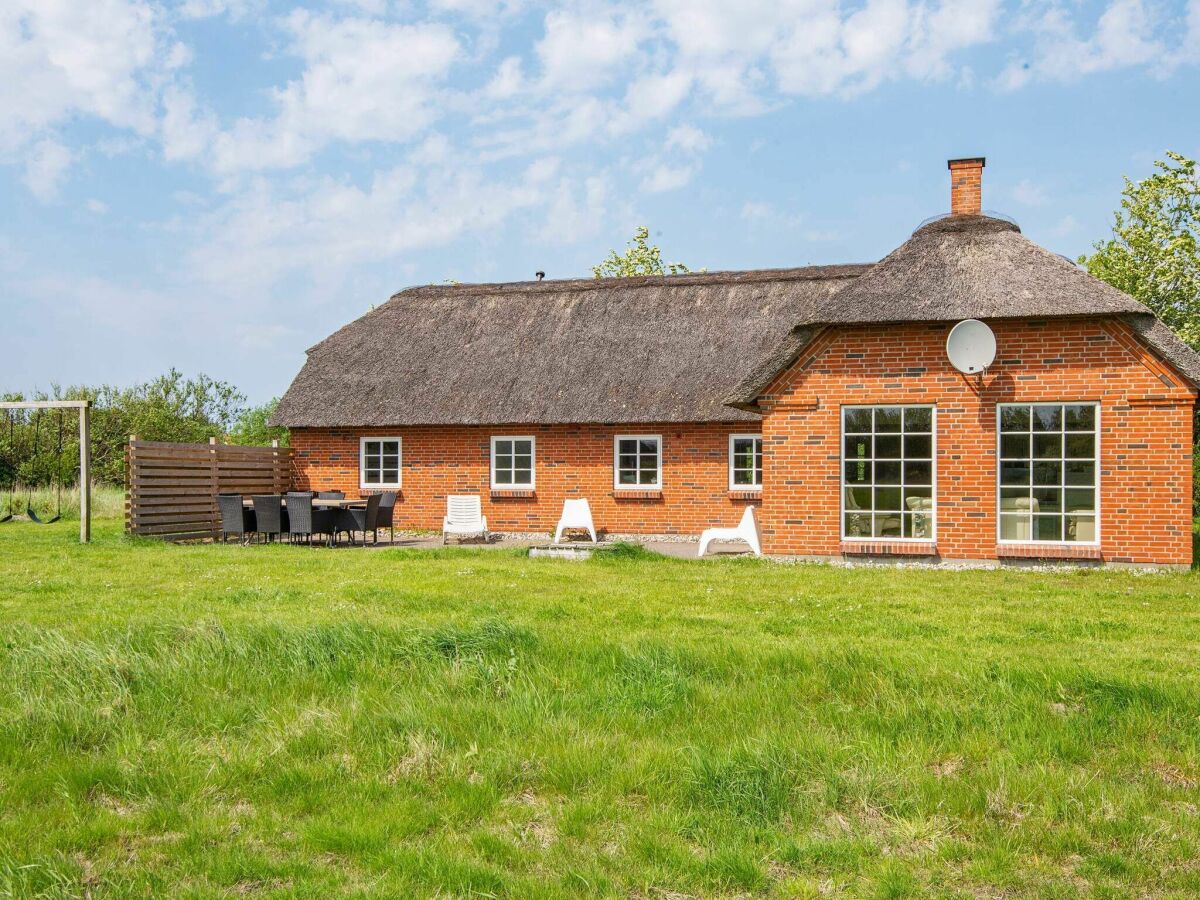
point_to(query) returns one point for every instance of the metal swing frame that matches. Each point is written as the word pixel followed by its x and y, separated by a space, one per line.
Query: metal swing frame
pixel 85 453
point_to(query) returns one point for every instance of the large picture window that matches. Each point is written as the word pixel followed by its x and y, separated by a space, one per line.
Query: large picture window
pixel 888 472
pixel 1049 472
pixel 637 462
pixel 513 463
pixel 745 462
pixel 379 462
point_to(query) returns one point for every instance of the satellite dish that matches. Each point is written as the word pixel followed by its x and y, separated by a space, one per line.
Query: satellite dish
pixel 971 346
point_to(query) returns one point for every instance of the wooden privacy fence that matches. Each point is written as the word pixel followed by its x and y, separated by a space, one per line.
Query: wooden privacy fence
pixel 171 489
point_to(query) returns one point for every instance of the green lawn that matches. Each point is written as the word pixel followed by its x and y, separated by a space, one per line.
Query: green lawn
pixel 206 721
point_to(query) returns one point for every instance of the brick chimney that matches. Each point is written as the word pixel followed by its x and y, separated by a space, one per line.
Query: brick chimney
pixel 966 186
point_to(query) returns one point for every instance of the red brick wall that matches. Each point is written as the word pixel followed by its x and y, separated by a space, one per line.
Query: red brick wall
pixel 572 461
pixel 1145 432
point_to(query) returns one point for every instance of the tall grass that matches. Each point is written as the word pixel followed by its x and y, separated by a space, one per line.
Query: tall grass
pixel 285 721
pixel 107 502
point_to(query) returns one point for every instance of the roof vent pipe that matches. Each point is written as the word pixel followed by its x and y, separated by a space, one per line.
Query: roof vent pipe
pixel 966 186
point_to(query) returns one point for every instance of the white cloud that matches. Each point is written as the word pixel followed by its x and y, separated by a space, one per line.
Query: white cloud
pixel 46 165
pixel 583 50
pixel 817 47
pixel 1124 36
pixel 508 80
pixel 478 9
pixel 764 214
pixel 1029 194
pixel 756 210
pixel 574 211
pixel 363 80
pixel 59 58
pixel 1066 226
pixel 327 225
pixel 677 163
pixel 666 177
pixel 235 9
pixel 688 139
pixel 98 207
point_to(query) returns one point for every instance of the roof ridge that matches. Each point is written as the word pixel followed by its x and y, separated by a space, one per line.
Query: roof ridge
pixel 727 276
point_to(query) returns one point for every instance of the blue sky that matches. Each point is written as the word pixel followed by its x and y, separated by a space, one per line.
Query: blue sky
pixel 216 185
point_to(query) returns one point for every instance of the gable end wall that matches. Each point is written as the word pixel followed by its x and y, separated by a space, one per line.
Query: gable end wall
pixel 1145 432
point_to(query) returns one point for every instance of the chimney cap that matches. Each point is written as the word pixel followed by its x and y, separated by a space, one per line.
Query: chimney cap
pixel 951 163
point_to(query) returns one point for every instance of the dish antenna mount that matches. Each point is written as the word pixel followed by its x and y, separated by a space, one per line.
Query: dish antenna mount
pixel 971 347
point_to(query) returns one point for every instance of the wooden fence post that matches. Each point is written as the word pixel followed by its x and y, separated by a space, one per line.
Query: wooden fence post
pixel 214 477
pixel 129 484
pixel 85 473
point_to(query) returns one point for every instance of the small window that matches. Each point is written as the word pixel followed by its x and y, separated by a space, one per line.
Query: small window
pixel 637 462
pixel 888 486
pixel 745 462
pixel 1049 472
pixel 379 462
pixel 513 463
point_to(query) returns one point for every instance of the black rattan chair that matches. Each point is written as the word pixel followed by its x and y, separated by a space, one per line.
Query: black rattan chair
pixel 268 510
pixel 305 521
pixel 332 495
pixel 387 507
pixel 364 520
pixel 235 518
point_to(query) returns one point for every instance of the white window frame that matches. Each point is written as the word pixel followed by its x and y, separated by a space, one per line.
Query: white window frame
pixel 617 486
pixel 362 459
pixel 532 462
pixel 1095 404
pixel 841 456
pixel 757 486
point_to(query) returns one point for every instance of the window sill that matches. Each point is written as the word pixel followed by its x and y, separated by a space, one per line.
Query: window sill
pixel 888 548
pixel 516 493
pixel 654 494
pixel 746 494
pixel 1048 551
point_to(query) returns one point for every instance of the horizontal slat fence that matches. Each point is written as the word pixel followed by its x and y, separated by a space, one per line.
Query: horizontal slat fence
pixel 171 489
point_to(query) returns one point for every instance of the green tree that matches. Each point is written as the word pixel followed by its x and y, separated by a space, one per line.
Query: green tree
pixel 1154 252
pixel 641 258
pixel 251 428
pixel 40 447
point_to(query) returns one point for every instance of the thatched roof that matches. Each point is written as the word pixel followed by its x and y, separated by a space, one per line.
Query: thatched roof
pixel 655 349
pixel 682 348
pixel 968 267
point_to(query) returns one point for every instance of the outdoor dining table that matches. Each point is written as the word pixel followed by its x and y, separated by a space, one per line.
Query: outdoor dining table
pixel 334 502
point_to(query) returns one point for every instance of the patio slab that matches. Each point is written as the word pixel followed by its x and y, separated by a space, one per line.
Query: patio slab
pixel 674 549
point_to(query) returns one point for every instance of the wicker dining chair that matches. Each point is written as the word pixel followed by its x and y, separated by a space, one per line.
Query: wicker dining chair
pixel 331 495
pixel 364 520
pixel 387 508
pixel 268 510
pixel 235 518
pixel 304 521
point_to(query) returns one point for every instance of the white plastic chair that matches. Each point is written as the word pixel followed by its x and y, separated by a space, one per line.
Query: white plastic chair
pixel 575 514
pixel 747 530
pixel 464 516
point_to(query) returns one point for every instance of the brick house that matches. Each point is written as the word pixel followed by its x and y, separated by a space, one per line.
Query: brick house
pixel 823 395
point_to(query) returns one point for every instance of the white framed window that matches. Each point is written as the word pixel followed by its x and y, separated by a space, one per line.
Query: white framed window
pixel 889 480
pixel 1048 478
pixel 637 462
pixel 514 462
pixel 379 462
pixel 745 462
